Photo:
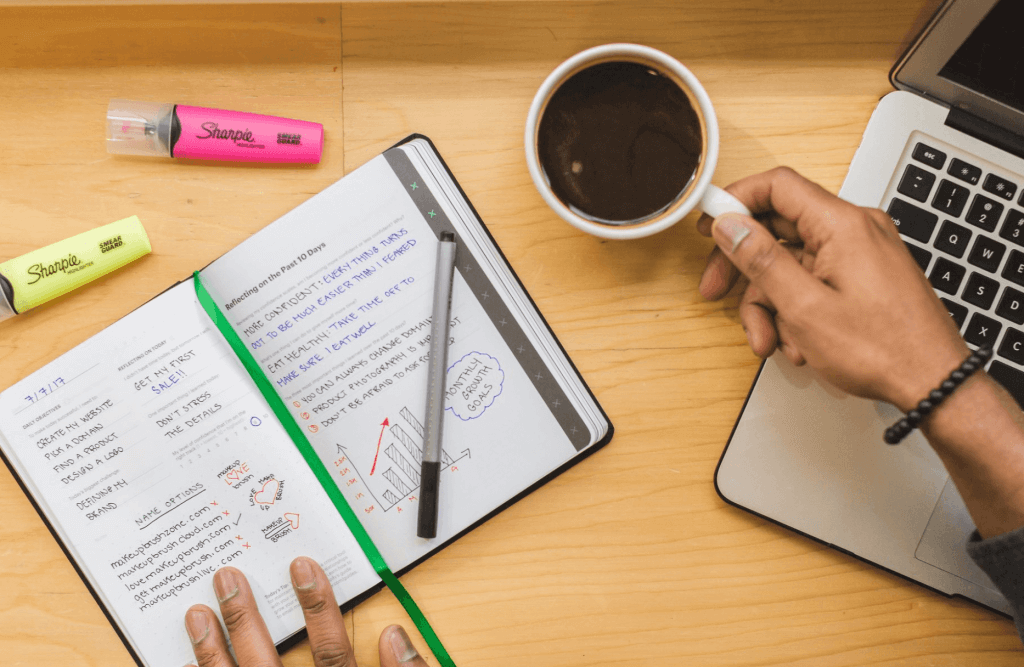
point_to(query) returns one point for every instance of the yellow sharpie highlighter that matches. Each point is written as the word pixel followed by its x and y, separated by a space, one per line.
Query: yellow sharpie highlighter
pixel 45 274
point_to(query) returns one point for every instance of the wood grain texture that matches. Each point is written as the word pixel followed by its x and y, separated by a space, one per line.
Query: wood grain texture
pixel 629 558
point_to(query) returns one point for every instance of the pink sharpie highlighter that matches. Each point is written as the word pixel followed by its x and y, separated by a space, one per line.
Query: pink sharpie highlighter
pixel 176 130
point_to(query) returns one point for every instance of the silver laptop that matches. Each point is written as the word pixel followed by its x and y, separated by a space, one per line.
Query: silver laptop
pixel 944 155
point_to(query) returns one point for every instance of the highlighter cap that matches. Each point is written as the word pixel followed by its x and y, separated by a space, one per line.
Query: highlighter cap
pixel 139 128
pixel 6 307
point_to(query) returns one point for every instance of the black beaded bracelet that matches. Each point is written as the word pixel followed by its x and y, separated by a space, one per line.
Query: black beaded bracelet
pixel 895 433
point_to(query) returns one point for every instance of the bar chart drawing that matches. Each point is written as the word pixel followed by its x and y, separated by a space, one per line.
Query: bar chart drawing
pixel 411 419
pixel 401 480
pixel 414 448
pixel 397 482
pixel 404 465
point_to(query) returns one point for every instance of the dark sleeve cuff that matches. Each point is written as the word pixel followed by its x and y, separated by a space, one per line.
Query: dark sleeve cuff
pixel 1002 559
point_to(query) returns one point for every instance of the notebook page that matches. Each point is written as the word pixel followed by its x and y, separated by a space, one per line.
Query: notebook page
pixel 158 462
pixel 339 322
pixel 426 161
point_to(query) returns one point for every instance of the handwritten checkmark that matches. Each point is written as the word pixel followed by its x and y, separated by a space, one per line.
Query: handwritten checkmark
pixel 239 519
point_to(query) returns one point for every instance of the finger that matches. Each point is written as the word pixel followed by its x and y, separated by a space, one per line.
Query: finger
pixel 327 637
pixel 249 635
pixel 781 227
pixel 765 262
pixel 208 642
pixel 396 649
pixel 793 354
pixel 884 222
pixel 756 314
pixel 719 276
pixel 704 223
pixel 817 213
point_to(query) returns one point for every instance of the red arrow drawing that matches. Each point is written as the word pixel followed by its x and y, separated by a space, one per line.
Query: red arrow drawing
pixel 383 425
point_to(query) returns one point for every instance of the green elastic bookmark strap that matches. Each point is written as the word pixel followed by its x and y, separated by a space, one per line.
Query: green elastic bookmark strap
pixel 322 474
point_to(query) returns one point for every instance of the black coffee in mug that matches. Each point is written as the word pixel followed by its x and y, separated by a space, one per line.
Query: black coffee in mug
pixel 619 142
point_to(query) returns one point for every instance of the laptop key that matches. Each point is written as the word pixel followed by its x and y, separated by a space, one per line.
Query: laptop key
pixel 957 311
pixel 1011 306
pixel 930 156
pixel 1014 269
pixel 950 198
pixel 1000 187
pixel 1012 346
pixel 1011 379
pixel 982 330
pixel 1013 227
pixel 953 238
pixel 916 183
pixel 986 254
pixel 921 256
pixel 946 276
pixel 984 213
pixel 912 221
pixel 980 291
pixel 964 171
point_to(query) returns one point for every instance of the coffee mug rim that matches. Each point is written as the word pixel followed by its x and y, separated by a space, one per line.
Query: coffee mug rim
pixel 697 190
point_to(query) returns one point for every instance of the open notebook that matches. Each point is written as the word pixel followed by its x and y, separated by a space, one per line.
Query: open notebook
pixel 155 460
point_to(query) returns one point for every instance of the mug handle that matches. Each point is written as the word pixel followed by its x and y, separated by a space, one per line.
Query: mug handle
pixel 717 201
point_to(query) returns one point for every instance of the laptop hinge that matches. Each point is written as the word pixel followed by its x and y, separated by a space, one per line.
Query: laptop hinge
pixel 959 119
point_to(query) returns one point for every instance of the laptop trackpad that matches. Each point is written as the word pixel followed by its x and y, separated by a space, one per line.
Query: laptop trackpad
pixel 942 544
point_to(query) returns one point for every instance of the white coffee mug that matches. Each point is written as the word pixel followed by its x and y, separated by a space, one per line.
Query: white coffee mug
pixel 698 193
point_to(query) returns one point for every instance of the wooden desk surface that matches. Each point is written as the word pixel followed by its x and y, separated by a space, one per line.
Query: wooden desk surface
pixel 631 557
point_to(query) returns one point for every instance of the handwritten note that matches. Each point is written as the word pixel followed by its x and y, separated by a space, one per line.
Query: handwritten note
pixel 344 336
pixel 145 457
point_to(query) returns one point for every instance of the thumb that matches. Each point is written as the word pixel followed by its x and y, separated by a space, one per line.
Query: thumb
pixel 396 649
pixel 760 257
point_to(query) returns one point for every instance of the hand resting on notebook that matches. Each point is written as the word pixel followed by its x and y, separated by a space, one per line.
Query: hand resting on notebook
pixel 831 285
pixel 251 640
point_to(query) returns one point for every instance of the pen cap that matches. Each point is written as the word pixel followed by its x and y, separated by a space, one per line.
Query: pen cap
pixel 139 128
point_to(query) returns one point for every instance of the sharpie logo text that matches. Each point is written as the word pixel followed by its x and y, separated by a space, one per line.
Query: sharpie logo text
pixel 40 271
pixel 213 131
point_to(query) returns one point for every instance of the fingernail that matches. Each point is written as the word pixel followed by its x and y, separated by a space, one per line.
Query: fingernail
pixel 729 230
pixel 225 585
pixel 303 576
pixel 401 646
pixel 197 626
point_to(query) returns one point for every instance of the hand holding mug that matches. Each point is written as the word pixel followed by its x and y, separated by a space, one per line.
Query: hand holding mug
pixel 843 294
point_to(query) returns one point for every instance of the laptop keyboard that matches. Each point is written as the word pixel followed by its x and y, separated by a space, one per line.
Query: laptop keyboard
pixel 963 221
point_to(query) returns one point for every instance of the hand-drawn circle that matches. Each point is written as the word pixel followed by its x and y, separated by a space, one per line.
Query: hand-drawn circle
pixel 473 384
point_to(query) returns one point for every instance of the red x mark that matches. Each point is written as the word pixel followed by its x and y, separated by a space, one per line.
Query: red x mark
pixel 238 537
pixel 226 513
pixel 246 545
pixel 214 504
